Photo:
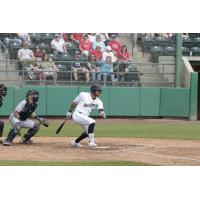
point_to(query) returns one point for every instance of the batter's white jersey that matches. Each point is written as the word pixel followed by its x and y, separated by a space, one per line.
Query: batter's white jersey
pixel 85 103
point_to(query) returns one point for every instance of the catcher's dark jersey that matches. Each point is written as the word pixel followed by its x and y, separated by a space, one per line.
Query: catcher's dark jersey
pixel 25 109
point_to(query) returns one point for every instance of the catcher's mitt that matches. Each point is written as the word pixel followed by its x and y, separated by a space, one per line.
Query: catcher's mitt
pixel 43 121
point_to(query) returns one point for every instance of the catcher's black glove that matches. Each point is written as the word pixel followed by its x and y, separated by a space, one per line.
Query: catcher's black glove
pixel 43 121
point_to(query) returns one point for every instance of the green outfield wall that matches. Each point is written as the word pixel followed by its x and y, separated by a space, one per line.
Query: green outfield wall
pixel 54 101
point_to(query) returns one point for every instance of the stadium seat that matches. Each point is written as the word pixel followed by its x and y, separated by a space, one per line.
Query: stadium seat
pixel 197 41
pixel 64 73
pixel 156 51
pixel 188 42
pixel 147 43
pixel 47 37
pixel 162 41
pixel 14 47
pixel 185 51
pixel 45 47
pixel 195 51
pixel 169 51
pixel 36 38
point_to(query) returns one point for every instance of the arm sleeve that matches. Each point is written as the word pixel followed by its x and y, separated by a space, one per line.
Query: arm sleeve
pixel 20 106
pixel 78 99
pixel 100 105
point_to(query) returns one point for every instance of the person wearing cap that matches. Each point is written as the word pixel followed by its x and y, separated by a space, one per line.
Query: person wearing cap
pixel 58 45
pixel 98 42
pixel 109 52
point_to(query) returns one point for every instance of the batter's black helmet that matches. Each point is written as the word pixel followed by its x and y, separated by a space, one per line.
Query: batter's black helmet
pixel 34 93
pixel 95 87
pixel 3 90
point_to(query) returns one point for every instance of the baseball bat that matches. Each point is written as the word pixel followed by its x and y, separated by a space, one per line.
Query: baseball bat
pixel 60 127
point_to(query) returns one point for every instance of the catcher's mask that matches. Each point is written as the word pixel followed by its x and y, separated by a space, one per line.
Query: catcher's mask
pixel 34 93
pixel 3 90
pixel 95 87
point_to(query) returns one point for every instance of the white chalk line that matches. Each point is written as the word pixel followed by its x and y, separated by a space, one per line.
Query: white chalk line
pixel 159 155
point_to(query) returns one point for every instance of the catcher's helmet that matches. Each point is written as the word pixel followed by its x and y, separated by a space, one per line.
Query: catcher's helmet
pixel 3 90
pixel 34 93
pixel 95 87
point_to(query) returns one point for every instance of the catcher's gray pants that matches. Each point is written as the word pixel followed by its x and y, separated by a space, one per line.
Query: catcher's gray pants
pixel 23 124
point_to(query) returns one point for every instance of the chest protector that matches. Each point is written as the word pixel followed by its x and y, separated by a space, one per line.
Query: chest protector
pixel 28 109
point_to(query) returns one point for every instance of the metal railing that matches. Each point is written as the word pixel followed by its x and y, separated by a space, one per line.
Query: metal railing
pixel 5 52
pixel 137 75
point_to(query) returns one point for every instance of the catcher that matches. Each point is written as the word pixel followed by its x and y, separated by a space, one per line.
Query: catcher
pixel 20 118
pixel 3 93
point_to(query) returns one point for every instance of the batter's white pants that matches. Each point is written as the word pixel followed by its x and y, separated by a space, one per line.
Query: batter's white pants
pixel 82 120
pixel 24 124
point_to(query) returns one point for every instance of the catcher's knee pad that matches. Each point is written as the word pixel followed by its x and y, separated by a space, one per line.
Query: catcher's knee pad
pixel 17 127
pixel 1 128
pixel 91 128
pixel 32 131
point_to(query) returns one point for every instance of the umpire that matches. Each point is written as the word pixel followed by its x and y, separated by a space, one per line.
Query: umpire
pixel 3 93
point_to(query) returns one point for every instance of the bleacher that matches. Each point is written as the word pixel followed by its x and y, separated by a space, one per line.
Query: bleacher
pixel 156 46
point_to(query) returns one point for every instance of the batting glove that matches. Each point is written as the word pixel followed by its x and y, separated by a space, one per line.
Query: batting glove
pixel 69 114
pixel 102 114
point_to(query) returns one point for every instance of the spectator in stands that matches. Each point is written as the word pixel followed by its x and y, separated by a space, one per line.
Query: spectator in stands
pixel 94 67
pixel 98 53
pixel 114 44
pixel 24 37
pixel 98 42
pixel 49 69
pixel 91 37
pixel 167 35
pixel 85 45
pixel 109 52
pixel 58 45
pixel 105 38
pixel 76 38
pixel 39 53
pixel 66 38
pixel 106 68
pixel 25 54
pixel 80 66
pixel 123 59
pixel 123 55
pixel 12 37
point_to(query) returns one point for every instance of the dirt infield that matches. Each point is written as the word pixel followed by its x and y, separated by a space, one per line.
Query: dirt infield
pixel 154 151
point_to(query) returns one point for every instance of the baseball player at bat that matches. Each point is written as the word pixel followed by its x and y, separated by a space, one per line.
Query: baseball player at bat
pixel 23 116
pixel 3 93
pixel 84 104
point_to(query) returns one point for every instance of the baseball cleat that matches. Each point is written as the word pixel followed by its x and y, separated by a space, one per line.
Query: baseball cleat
pixel 7 143
pixel 24 141
pixel 75 144
pixel 92 144
pixel 1 141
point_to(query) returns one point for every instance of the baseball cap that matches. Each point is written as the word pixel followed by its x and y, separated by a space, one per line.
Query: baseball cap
pixel 56 35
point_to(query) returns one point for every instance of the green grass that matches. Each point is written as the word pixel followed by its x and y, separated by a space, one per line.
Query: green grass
pixel 183 130
pixel 88 163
